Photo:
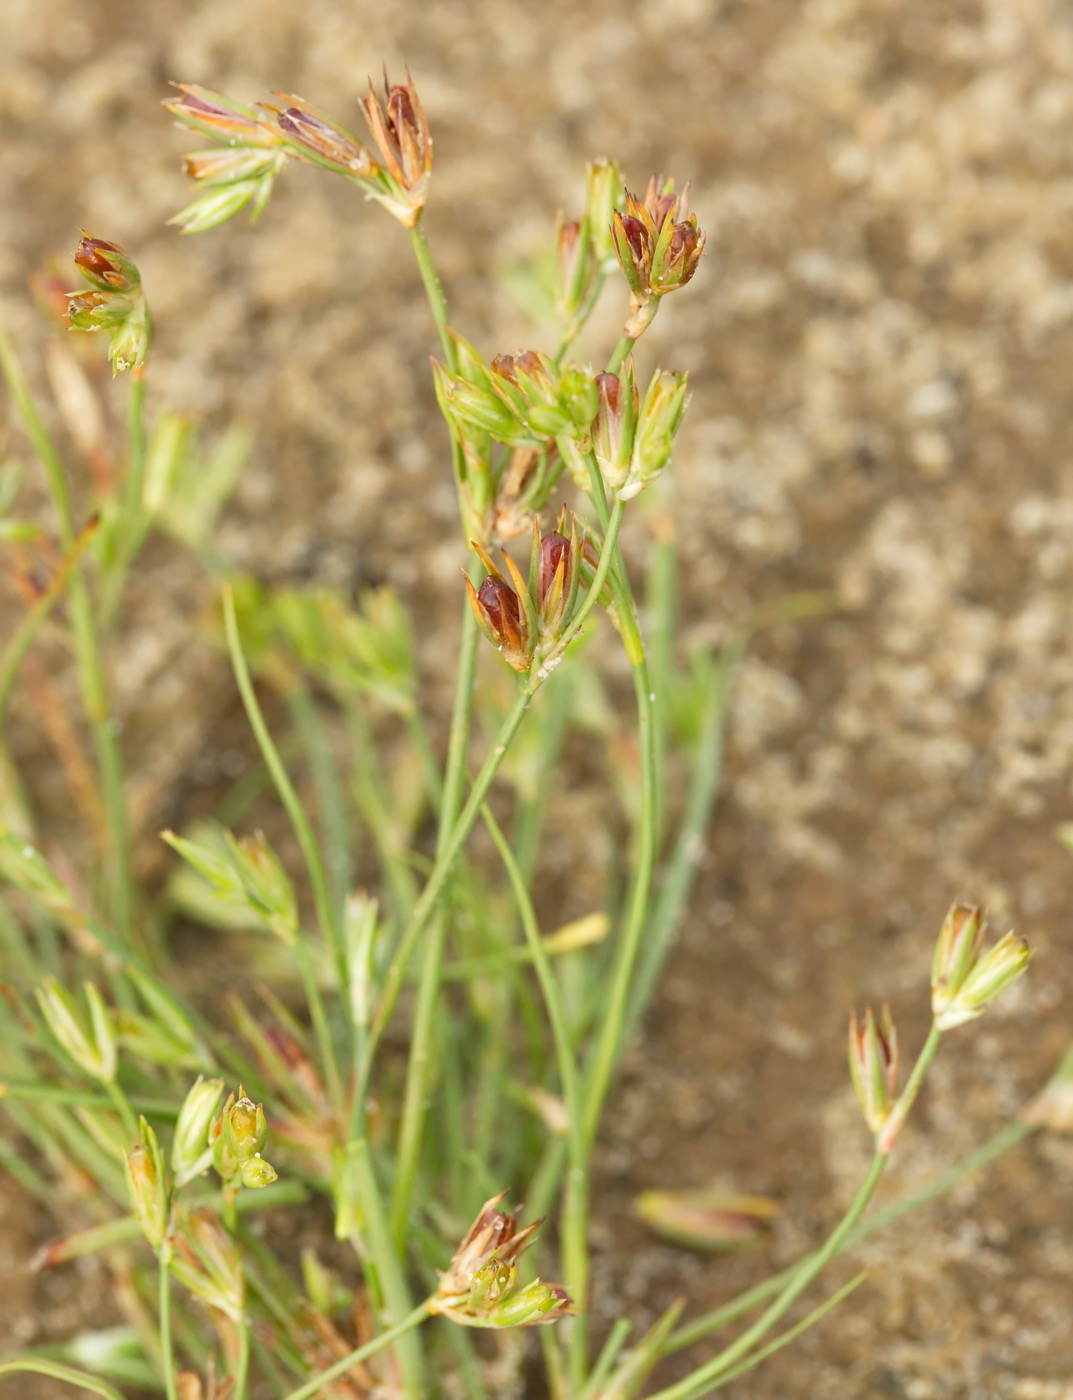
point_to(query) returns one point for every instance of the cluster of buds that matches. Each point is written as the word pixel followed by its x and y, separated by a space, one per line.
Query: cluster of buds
pixel 478 1290
pixel 207 1263
pixel 521 400
pixel 150 1197
pixel 658 243
pixel 632 439
pixel 873 1066
pixel 116 302
pixel 964 979
pixel 89 1039
pixel 245 874
pixel 584 248
pixel 238 1138
pixel 240 172
pixel 525 621
pixel 258 141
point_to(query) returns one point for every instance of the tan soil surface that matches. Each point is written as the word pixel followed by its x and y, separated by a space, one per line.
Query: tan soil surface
pixel 880 345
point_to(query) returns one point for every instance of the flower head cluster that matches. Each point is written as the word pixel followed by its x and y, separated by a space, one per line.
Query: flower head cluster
pixel 964 979
pixel 238 1138
pixel 659 244
pixel 478 1289
pixel 522 619
pixel 873 1066
pixel 254 144
pixel 115 302
pixel 632 439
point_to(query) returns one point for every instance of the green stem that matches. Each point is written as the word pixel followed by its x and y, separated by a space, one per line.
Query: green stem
pixel 791 1334
pixel 423 1036
pixel 325 1378
pixel 123 1108
pixel 696 1384
pixel 995 1147
pixel 621 350
pixel 166 1344
pixel 434 291
pixel 698 1381
pixel 308 843
pixel 67 1374
pixel 87 645
pixel 680 871
pixel 34 619
pixel 434 886
pixel 242 1363
pixel 574 1242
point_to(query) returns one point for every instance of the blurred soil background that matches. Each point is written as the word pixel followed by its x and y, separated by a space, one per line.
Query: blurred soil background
pixel 879 342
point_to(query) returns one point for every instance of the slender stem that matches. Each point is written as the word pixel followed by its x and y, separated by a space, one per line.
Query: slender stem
pixel 87 644
pixel 621 350
pixel 318 1383
pixel 306 840
pixel 434 291
pixel 34 619
pixel 791 1334
pixel 434 886
pixel 67 1374
pixel 680 870
pixel 696 1383
pixel 123 1108
pixel 47 454
pixel 167 1346
pixel 574 1244
pixel 242 1363
pixel 423 1035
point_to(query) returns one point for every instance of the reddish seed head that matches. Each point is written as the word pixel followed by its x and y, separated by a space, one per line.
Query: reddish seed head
pixel 554 553
pixel 500 602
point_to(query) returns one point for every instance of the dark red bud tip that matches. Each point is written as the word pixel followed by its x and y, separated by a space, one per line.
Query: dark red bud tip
pixel 554 551
pixel 91 256
pixel 400 108
pixel 609 387
pixel 636 235
pixel 501 606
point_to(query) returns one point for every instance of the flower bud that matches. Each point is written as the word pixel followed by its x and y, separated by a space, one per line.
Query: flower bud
pixel 603 195
pixel 245 1128
pixel 502 618
pixel 997 970
pixel 659 420
pixel 402 137
pixel 91 1044
pixel 147 1186
pixel 116 302
pixel 477 1290
pixel 555 576
pixel 658 246
pixel 106 266
pixel 873 1066
pixel 320 139
pixel 265 883
pixel 221 118
pixel 615 424
pixel 956 951
pixel 575 269
pixel 191 1153
pixel 256 1172
pixel 536 1305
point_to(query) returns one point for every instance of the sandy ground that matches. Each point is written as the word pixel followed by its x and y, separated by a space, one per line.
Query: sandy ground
pixel 879 343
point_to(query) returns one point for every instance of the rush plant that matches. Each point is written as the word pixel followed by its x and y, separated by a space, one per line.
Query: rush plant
pixel 418 1044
